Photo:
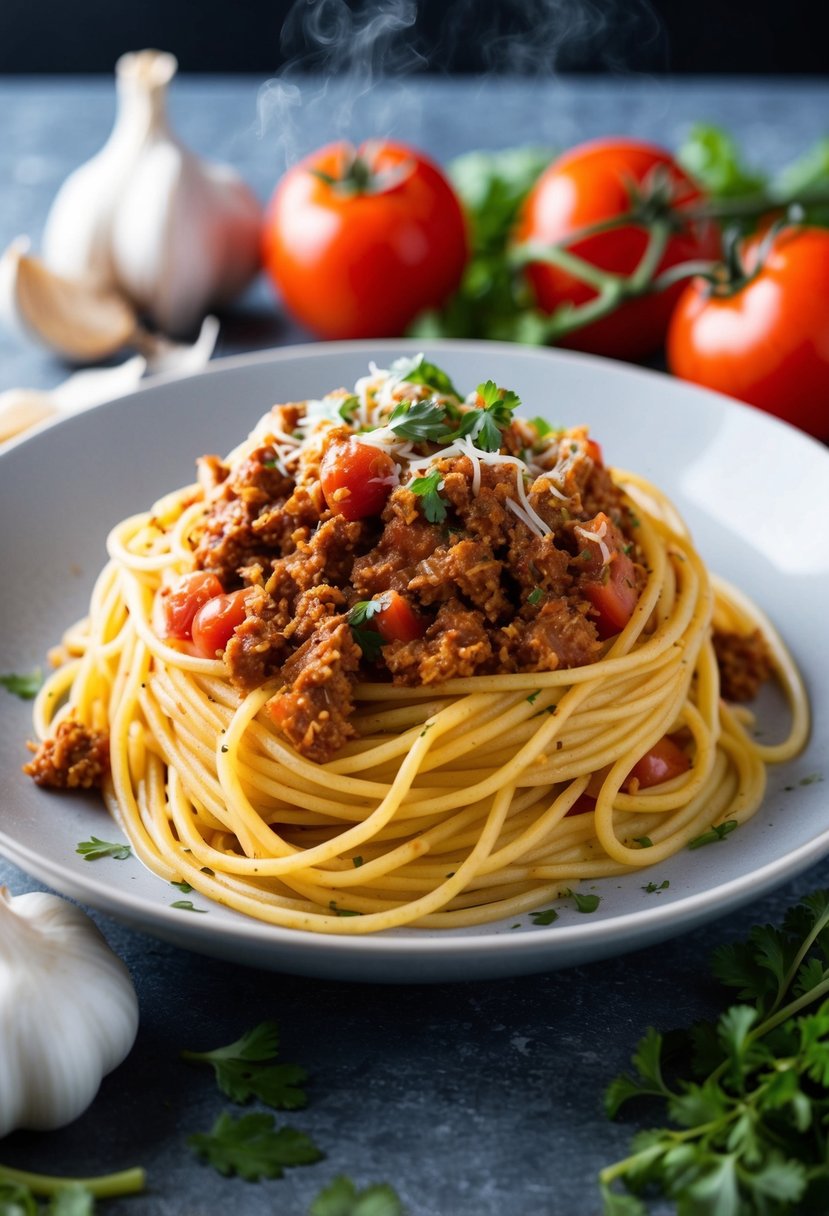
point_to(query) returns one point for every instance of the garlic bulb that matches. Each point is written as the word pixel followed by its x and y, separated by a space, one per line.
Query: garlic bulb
pixel 68 1011
pixel 177 235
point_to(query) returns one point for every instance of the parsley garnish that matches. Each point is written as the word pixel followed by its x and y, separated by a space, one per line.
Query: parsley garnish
pixel 421 421
pixel 542 427
pixel 245 1069
pixel 584 903
pixel 251 1147
pixel 747 1101
pixel 420 371
pixel 546 917
pixel 187 905
pixel 93 849
pixel 657 886
pixel 535 596
pixel 184 887
pixel 348 408
pixel 717 832
pixel 332 904
pixel 644 842
pixel 428 489
pixel 26 687
pixel 368 640
pixel 341 1198
pixel 497 413
pixel 532 698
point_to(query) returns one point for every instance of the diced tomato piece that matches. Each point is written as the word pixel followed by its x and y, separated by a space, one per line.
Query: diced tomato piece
pixel 665 760
pixel 357 478
pixel 594 452
pixel 215 621
pixel 610 579
pixel 397 620
pixel 181 603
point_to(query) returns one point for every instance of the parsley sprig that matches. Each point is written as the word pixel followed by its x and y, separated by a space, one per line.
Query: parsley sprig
pixel 93 849
pixel 749 1115
pixel 438 421
pixel 368 640
pixel 418 370
pixel 428 490
pixel 246 1069
pixel 24 686
pixel 252 1147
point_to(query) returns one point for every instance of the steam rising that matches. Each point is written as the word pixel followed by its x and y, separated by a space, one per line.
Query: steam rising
pixel 337 54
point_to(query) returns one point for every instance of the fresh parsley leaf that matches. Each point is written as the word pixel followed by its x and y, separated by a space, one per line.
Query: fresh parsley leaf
pixel 428 489
pixel 497 413
pixel 252 1147
pixel 717 832
pixel 247 1069
pixel 184 887
pixel 545 917
pixel 341 1198
pixel 584 903
pixel 542 427
pixel 421 421
pixel 348 408
pixel 93 849
pixel 187 905
pixel 656 886
pixel 747 1104
pixel 644 842
pixel 368 640
pixel 535 596
pixel 24 686
pixel 419 370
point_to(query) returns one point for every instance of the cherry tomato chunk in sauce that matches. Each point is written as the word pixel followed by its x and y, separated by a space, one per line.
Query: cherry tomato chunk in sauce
pixel 181 603
pixel 397 621
pixel 610 582
pixel 664 761
pixel 357 478
pixel 215 621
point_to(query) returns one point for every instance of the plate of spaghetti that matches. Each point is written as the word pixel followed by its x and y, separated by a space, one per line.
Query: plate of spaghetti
pixel 416 665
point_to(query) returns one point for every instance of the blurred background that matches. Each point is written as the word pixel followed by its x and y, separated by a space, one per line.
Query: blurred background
pixel 262 36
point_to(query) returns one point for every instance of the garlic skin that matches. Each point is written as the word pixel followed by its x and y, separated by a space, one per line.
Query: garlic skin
pixel 175 234
pixel 68 1011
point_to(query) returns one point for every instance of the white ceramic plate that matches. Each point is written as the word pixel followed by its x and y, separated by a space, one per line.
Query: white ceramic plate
pixel 755 492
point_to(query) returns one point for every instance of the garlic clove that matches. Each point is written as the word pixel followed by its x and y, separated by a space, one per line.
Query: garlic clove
pixel 78 321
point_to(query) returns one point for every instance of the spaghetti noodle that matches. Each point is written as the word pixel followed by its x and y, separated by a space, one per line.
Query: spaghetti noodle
pixel 445 802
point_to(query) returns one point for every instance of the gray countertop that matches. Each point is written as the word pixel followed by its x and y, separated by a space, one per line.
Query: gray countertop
pixel 474 1099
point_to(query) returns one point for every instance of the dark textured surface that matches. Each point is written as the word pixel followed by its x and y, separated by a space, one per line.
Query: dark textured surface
pixel 475 1099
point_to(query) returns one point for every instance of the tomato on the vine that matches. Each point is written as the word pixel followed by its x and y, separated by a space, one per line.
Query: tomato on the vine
pixel 593 183
pixel 359 242
pixel 764 340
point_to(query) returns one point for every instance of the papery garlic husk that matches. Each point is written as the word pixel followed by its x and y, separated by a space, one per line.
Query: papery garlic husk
pixel 68 1011
pixel 176 234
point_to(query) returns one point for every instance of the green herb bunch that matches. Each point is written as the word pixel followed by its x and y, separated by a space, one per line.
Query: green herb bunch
pixel 746 1096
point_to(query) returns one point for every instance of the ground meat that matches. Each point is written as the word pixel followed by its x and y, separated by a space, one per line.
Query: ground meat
pixel 76 758
pixel 559 635
pixel 744 662
pixel 469 571
pixel 314 711
pixel 455 645
pixel 405 543
pixel 258 646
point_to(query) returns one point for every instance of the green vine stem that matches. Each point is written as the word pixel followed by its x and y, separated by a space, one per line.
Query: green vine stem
pixel 104 1186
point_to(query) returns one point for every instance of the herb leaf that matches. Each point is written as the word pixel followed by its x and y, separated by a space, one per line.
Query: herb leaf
pixel 584 903
pixel 93 849
pixel 545 917
pixel 421 421
pixel 187 905
pixel 341 1198
pixel 717 832
pixel 751 1084
pixel 496 414
pixel 368 640
pixel 252 1148
pixel 24 686
pixel 428 489
pixel 246 1069
pixel 419 370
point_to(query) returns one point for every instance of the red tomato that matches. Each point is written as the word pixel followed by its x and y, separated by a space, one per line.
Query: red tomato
pixel 184 600
pixel 587 185
pixel 664 761
pixel 768 342
pixel 215 621
pixel 357 478
pixel 358 244
pixel 609 585
pixel 397 620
